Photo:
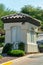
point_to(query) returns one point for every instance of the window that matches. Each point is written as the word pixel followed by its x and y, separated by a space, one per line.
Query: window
pixel 32 37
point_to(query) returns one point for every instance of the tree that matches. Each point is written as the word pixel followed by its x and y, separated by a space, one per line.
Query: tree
pixel 3 12
pixel 34 12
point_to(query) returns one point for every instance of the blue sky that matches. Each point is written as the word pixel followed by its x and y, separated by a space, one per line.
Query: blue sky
pixel 18 4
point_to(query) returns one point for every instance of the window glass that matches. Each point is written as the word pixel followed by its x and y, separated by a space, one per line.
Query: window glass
pixel 32 37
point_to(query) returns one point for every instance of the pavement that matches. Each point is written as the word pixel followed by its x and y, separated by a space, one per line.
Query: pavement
pixel 32 59
pixel 35 59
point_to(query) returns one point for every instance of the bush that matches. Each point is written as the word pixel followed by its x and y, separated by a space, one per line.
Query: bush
pixel 21 46
pixel 7 47
pixel 2 39
pixel 0 56
pixel 1 44
pixel 17 53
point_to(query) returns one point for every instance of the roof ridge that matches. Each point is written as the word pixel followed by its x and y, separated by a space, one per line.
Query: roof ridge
pixel 20 14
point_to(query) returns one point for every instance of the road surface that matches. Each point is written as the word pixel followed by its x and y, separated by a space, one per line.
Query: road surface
pixel 33 60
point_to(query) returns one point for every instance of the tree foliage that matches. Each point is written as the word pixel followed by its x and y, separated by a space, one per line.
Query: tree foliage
pixel 30 10
pixel 34 12
pixel 3 12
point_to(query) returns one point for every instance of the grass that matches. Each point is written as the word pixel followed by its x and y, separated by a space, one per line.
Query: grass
pixel 1 56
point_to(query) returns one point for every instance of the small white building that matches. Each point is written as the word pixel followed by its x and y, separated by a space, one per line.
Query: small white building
pixel 21 28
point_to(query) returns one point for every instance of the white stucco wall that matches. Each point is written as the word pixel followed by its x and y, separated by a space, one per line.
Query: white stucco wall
pixel 31 48
pixel 25 35
pixel 8 36
pixel 25 28
pixel 8 27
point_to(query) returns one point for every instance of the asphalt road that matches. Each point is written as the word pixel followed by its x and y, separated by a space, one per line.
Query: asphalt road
pixel 34 60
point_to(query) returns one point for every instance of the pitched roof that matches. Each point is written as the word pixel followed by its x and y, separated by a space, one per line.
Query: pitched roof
pixel 20 17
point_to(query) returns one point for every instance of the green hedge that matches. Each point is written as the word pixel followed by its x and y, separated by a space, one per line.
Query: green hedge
pixel 7 47
pixel 1 44
pixel 21 46
pixel 2 39
pixel 16 53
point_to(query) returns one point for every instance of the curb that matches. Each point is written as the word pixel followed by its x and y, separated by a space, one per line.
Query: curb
pixel 19 59
pixel 15 60
pixel 7 63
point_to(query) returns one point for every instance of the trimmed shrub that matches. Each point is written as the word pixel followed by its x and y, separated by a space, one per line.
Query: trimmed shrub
pixel 17 53
pixel 21 46
pixel 1 44
pixel 7 47
pixel 2 39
